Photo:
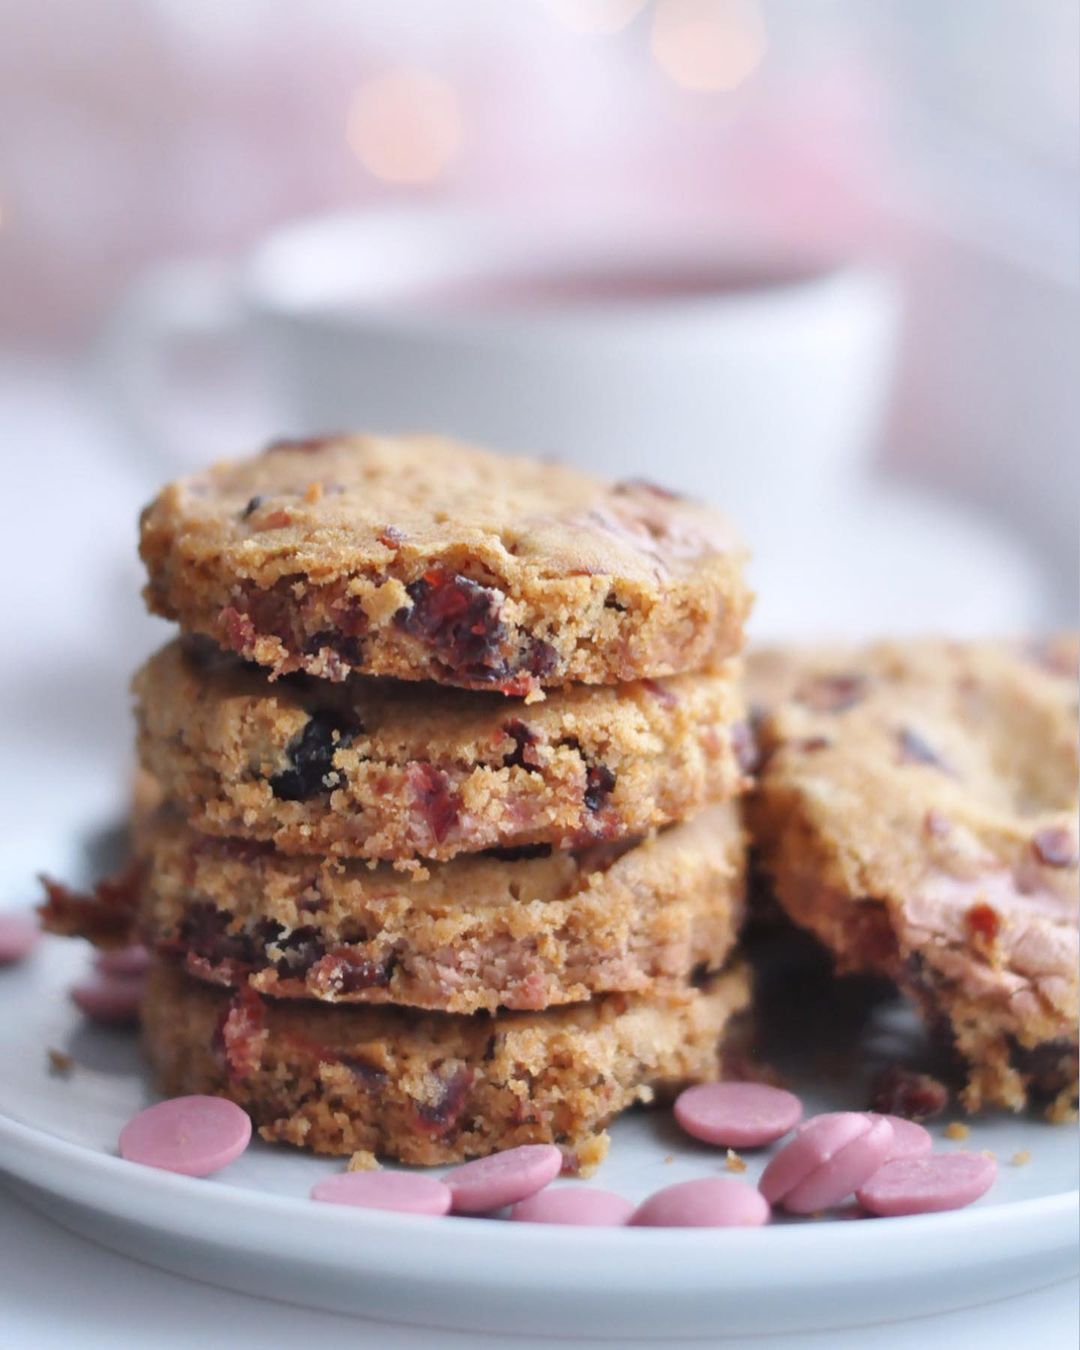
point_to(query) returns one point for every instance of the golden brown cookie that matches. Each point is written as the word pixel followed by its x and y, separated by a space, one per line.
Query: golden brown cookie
pixel 390 770
pixel 427 559
pixel 430 1088
pixel 477 933
pixel 916 809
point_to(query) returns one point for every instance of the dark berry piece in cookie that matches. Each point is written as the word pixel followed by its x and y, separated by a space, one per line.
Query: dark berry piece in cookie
pixel 435 800
pixel 599 784
pixel 311 756
pixel 460 621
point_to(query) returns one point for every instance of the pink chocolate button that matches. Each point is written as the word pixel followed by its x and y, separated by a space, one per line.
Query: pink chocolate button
pixel 110 999
pixel 191 1135
pixel 829 1158
pixel 712 1202
pixel 927 1184
pixel 133 960
pixel 737 1115
pixel 18 937
pixel 909 1140
pixel 405 1192
pixel 586 1205
pixel 503 1178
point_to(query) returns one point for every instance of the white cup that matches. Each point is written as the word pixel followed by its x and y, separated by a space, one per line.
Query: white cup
pixel 738 374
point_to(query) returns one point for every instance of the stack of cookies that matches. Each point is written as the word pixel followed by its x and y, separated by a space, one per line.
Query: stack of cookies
pixel 449 858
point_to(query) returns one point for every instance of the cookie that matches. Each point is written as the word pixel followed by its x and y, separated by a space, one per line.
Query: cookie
pixel 425 559
pixel 432 1088
pixel 389 770
pixel 478 933
pixel 916 809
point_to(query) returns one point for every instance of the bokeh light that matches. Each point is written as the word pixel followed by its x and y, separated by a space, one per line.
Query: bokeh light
pixel 708 45
pixel 594 16
pixel 405 126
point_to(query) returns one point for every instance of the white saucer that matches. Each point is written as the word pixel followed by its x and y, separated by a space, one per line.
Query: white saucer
pixel 251 1228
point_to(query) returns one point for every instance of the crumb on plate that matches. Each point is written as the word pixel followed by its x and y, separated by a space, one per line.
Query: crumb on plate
pixel 60 1062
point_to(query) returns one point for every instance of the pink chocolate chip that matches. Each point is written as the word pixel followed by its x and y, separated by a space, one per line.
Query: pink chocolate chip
pixel 406 1192
pixel 586 1205
pixel 18 937
pixel 191 1135
pixel 503 1178
pixel 927 1184
pixel 112 1000
pixel 830 1157
pixel 712 1202
pixel 909 1140
pixel 133 960
pixel 738 1115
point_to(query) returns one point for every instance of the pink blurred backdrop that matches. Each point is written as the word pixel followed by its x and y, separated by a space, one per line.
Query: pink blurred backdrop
pixel 939 139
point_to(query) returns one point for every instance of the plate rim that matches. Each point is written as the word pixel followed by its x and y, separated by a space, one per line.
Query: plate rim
pixel 1041 1214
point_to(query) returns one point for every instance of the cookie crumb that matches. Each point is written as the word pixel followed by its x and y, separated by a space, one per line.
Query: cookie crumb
pixel 363 1160
pixel 733 1162
pixel 956 1130
pixel 314 492
pixel 592 1152
pixel 60 1062
pixel 1022 1158
pixel 670 1158
pixel 989 1153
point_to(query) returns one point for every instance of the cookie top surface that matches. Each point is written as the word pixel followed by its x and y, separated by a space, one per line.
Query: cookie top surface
pixel 382 769
pixel 929 755
pixel 425 558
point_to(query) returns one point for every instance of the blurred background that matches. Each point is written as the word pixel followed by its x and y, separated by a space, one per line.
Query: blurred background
pixel 815 259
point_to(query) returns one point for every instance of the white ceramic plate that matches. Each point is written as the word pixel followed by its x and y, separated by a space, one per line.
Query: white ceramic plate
pixel 251 1227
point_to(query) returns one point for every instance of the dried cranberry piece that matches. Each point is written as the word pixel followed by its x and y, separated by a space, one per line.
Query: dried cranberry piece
pixel 599 783
pixel 524 738
pixel 237 630
pixel 312 757
pixel 1055 846
pixel 241 1032
pixel 832 693
pixel 440 1116
pixel 460 620
pixel 983 922
pixel 903 1092
pixel 348 972
pixel 434 798
pixel 914 749
pixel 276 520
pixel 105 916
